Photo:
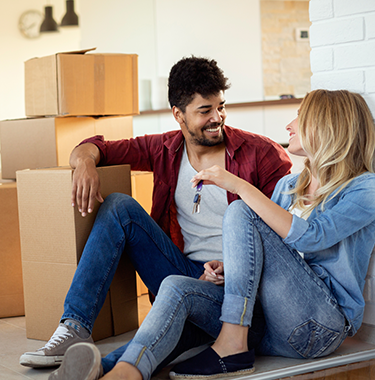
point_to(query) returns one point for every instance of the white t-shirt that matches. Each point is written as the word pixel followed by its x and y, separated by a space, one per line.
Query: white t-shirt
pixel 202 232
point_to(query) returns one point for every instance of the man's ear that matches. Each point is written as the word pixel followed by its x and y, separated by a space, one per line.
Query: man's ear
pixel 178 115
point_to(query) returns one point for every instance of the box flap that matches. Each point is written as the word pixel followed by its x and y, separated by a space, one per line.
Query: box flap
pixel 84 51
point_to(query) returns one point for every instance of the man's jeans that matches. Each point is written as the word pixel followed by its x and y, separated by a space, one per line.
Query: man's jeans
pixel 303 319
pixel 122 226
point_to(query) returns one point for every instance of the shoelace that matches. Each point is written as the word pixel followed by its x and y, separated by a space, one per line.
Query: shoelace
pixel 62 333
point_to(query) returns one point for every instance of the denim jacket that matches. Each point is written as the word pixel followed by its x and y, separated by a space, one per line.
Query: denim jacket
pixel 337 242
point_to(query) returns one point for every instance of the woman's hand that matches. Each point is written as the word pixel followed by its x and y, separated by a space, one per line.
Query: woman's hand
pixel 214 272
pixel 220 177
pixel 276 217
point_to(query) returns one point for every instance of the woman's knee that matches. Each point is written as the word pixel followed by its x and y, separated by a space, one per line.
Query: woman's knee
pixel 177 287
pixel 174 283
pixel 237 211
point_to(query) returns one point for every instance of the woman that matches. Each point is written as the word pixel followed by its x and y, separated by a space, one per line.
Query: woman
pixel 303 254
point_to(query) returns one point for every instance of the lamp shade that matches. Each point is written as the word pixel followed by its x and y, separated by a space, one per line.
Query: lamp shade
pixel 70 17
pixel 48 24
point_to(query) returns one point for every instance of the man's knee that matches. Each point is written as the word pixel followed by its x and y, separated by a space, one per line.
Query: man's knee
pixel 116 198
pixel 119 200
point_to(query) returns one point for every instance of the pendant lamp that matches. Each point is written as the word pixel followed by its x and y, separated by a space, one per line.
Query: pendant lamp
pixel 70 17
pixel 49 24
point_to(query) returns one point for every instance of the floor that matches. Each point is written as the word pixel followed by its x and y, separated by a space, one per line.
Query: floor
pixel 13 343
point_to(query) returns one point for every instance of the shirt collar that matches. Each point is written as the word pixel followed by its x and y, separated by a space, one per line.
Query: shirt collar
pixel 233 140
pixel 174 142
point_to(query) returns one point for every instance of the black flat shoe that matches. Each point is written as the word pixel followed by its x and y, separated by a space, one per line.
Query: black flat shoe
pixel 209 365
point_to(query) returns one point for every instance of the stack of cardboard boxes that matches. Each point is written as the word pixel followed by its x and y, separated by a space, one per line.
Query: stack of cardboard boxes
pixel 68 97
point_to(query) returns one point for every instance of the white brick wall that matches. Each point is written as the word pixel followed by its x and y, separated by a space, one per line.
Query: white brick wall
pixel 342 37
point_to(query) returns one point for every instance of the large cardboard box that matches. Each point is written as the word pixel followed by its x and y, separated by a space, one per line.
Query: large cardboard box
pixel 48 141
pixel 11 290
pixel 75 83
pixel 53 235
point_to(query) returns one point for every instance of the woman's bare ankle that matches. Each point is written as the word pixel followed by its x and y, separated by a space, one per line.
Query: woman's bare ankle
pixel 123 371
pixel 231 340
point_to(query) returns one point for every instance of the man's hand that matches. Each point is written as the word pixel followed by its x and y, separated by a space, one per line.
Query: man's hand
pixel 214 272
pixel 86 183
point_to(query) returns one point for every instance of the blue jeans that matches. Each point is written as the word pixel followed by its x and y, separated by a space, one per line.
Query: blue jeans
pixel 303 319
pixel 185 315
pixel 122 226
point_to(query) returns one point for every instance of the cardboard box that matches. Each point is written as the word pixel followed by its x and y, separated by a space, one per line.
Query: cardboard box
pixel 53 235
pixel 142 188
pixel 75 83
pixel 11 290
pixel 48 142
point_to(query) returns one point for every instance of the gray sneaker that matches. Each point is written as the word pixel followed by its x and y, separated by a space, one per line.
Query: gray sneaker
pixel 81 362
pixel 51 355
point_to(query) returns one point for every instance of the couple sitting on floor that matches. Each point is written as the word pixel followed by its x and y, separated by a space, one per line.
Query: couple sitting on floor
pixel 270 262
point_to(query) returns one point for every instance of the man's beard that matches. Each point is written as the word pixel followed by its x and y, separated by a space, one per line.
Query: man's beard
pixel 202 140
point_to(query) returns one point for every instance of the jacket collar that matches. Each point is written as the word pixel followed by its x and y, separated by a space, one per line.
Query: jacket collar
pixel 292 180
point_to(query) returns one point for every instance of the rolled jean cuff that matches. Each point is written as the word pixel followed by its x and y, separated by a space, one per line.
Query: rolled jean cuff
pixel 141 358
pixel 237 310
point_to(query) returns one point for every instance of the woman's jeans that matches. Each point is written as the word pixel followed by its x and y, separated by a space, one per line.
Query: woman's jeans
pixel 303 319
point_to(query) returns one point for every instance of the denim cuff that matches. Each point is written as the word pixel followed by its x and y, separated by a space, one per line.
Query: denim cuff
pixel 237 310
pixel 141 357
pixel 297 229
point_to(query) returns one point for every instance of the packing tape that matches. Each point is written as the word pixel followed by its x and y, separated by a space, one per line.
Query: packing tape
pixel 99 84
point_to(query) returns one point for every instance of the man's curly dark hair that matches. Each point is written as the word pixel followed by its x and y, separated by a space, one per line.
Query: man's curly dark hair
pixel 194 75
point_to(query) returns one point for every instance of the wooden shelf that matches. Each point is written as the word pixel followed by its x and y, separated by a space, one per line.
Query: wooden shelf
pixel 262 103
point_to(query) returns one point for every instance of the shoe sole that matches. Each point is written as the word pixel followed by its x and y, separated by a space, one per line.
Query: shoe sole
pixel 40 361
pixel 68 371
pixel 177 376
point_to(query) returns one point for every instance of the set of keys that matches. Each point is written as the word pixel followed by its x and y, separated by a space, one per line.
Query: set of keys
pixel 197 198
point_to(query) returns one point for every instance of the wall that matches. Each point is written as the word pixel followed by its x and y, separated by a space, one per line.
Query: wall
pixel 15 49
pixel 343 46
pixel 163 31
pixel 343 57
pixel 286 60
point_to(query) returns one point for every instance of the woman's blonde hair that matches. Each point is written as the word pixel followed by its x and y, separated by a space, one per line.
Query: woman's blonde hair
pixel 337 132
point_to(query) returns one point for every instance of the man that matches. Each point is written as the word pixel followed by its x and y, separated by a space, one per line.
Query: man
pixel 181 235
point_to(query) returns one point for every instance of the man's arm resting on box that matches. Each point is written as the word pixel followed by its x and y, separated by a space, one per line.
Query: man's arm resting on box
pixel 86 183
